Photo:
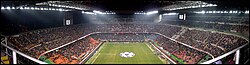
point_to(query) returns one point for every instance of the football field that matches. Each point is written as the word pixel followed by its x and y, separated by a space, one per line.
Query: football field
pixel 110 53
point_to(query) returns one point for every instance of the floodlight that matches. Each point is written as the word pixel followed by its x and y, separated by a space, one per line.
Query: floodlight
pixel 59 5
pixel 45 8
pixel 41 8
pixel 21 7
pixel 2 8
pixel 60 9
pixel 53 9
pixel 7 7
pixel 32 8
pixel 210 12
pixel 36 8
pixel 214 11
pixel 13 8
pixel 246 12
pixel 230 11
pixel 152 12
pixel 170 14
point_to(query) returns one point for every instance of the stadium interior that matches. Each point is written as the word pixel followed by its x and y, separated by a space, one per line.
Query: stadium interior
pixel 124 32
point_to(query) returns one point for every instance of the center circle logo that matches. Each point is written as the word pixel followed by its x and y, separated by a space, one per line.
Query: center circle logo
pixel 127 54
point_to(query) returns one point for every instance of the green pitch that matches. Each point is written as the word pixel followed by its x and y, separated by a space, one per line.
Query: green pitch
pixel 109 53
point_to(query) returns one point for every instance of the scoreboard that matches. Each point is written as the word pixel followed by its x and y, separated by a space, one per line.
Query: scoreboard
pixel 68 18
pixel 182 16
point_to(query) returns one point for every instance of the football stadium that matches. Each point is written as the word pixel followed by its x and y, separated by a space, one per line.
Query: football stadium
pixel 124 32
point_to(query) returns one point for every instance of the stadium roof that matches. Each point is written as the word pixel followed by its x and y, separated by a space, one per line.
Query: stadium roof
pixel 124 5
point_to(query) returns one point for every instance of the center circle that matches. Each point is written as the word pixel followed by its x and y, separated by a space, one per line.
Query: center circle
pixel 127 54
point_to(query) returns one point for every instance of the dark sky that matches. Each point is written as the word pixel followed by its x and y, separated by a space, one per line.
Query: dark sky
pixel 128 5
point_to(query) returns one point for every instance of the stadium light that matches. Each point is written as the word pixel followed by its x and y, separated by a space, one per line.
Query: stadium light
pixel 214 5
pixel 201 12
pixel 2 8
pixel 203 5
pixel 13 8
pixel 21 7
pixel 235 11
pixel 59 5
pixel 32 8
pixel 210 5
pixel 45 8
pixel 170 14
pixel 67 6
pixel 192 6
pixel 41 8
pixel 98 12
pixel 152 12
pixel 37 8
pixel 62 5
pixel 7 7
pixel 53 9
pixel 53 4
pixel 60 9
pixel 26 7
pixel 225 11
pixel 221 11
pixel 218 12
pixel 199 5
pixel 230 11
pixel 89 12
pixel 214 11
pixel 246 12
pixel 210 11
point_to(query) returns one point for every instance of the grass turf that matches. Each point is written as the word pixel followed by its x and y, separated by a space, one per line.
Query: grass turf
pixel 109 54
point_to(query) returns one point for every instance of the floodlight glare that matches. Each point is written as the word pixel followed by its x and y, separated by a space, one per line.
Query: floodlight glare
pixel 230 11
pixel 21 7
pixel 45 8
pixel 7 7
pixel 203 5
pixel 37 8
pixel 41 8
pixel 246 12
pixel 32 8
pixel 201 12
pixel 98 12
pixel 170 14
pixel 152 12
pixel 2 8
pixel 89 13
pixel 28 7
pixel 221 12
pixel 225 11
pixel 60 9
pixel 13 8
pixel 210 12
pixel 214 11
